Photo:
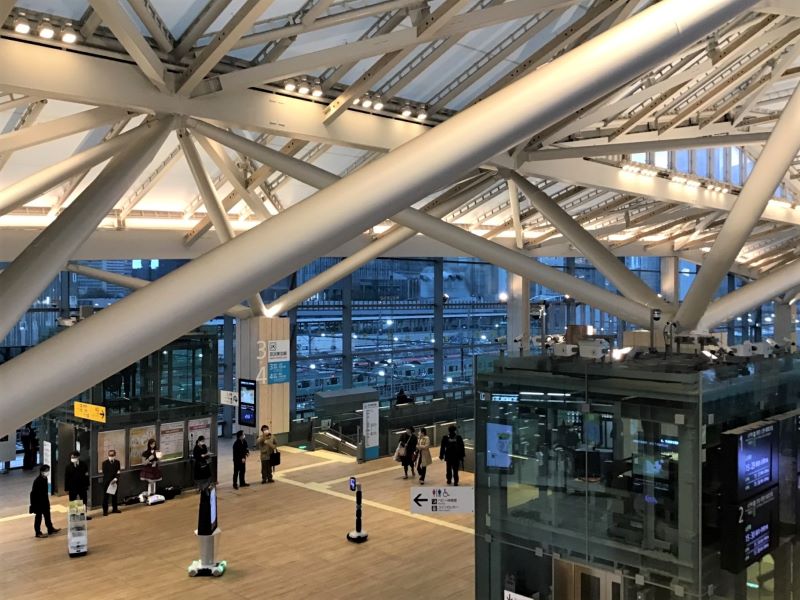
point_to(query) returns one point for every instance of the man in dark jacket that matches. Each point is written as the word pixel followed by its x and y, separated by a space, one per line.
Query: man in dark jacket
pixel 240 453
pixel 76 480
pixel 111 467
pixel 40 504
pixel 452 452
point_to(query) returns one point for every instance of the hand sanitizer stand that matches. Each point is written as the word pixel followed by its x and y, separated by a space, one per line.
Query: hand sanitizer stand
pixel 77 529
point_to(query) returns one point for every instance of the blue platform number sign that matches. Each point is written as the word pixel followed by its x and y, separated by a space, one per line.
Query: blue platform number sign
pixel 278 361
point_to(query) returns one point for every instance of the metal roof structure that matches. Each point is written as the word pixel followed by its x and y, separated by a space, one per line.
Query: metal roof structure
pixel 337 83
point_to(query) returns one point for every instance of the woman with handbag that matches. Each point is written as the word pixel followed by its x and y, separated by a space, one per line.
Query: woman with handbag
pixel 406 450
pixel 423 454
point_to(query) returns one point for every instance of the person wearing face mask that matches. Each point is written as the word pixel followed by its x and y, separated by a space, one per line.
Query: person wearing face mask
pixel 267 444
pixel 240 452
pixel 76 480
pixel 151 473
pixel 40 504
pixel 111 467
pixel 202 466
pixel 453 453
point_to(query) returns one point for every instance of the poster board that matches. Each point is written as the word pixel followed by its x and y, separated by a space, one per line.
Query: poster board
pixel 370 425
pixel 198 427
pixel 171 441
pixel 137 443
pixel 107 440
pixel 278 361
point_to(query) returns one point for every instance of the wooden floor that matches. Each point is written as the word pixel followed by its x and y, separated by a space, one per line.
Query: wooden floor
pixel 284 540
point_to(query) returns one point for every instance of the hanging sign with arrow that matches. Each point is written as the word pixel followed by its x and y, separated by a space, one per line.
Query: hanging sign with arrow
pixel 436 500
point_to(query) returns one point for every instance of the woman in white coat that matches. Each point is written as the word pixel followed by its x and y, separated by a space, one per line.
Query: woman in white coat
pixel 423 453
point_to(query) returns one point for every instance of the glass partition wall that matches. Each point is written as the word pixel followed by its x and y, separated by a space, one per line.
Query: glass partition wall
pixel 601 481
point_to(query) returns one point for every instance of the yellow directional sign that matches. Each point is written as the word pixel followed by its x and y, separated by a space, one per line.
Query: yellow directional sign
pixel 93 412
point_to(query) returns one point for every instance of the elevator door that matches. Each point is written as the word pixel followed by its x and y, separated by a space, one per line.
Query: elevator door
pixel 577 582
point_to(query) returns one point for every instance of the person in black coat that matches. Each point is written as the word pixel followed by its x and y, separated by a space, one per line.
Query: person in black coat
pixel 240 453
pixel 409 443
pixel 202 465
pixel 111 467
pixel 40 504
pixel 453 453
pixel 76 479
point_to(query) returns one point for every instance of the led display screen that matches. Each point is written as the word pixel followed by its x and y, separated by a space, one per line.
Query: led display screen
pixel 750 530
pixel 247 402
pixel 505 397
pixel 750 455
pixel 498 445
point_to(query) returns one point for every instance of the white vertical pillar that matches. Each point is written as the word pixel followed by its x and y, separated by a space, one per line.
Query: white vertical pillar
pixel 784 322
pixel 670 280
pixel 518 314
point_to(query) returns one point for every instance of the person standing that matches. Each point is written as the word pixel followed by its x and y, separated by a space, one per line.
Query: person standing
pixel 452 452
pixel 111 468
pixel 151 472
pixel 408 442
pixel 202 467
pixel 267 444
pixel 76 480
pixel 240 454
pixel 40 504
pixel 423 454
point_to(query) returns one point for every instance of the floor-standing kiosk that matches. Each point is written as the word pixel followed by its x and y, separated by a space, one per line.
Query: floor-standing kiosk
pixel 207 532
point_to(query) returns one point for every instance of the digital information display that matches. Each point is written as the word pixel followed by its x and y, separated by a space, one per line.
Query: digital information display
pixel 247 402
pixel 750 530
pixel 751 459
pixel 498 446
pixel 207 512
pixel 505 397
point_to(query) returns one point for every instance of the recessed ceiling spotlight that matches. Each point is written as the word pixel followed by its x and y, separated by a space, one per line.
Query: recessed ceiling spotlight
pixel 68 34
pixel 357 101
pixel 21 25
pixel 406 112
pixel 290 85
pixel 303 88
pixel 46 30
pixel 366 102
pixel 378 105
pixel 422 113
pixel 316 91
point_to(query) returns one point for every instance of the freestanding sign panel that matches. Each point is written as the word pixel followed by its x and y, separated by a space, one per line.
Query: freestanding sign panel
pixel 47 459
pixel 370 418
pixel 228 398
pixel 435 500
pixel 278 361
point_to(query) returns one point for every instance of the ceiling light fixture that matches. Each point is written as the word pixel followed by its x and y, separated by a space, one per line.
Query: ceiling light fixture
pixel 46 30
pixel 366 102
pixel 316 91
pixel 378 105
pixel 68 34
pixel 21 25
pixel 303 88
pixel 406 112
pixel 290 85
pixel 422 113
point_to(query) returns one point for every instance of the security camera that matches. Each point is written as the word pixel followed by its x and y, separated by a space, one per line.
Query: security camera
pixel 656 313
pixel 518 339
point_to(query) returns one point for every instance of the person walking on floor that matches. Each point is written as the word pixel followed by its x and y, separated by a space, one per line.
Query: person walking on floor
pixel 40 504
pixel 452 452
pixel 202 467
pixel 111 467
pixel 76 480
pixel 240 454
pixel 423 454
pixel 267 444
pixel 408 442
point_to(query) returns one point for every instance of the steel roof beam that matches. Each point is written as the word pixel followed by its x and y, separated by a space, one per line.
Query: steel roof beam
pixel 205 18
pixel 150 18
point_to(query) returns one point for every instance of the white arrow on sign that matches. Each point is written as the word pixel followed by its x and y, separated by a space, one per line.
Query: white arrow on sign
pixel 436 500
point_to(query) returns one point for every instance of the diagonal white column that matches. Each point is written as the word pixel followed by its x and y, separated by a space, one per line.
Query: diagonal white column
pixel 609 265
pixel 772 164
pixel 22 192
pixel 528 267
pixel 750 296
pixel 135 283
pixel 36 266
pixel 90 351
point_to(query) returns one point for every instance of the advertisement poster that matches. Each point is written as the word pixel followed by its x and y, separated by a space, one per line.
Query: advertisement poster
pixel 278 361
pixel 247 402
pixel 370 421
pixel 137 443
pixel 171 441
pixel 498 445
pixel 198 427
pixel 108 440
